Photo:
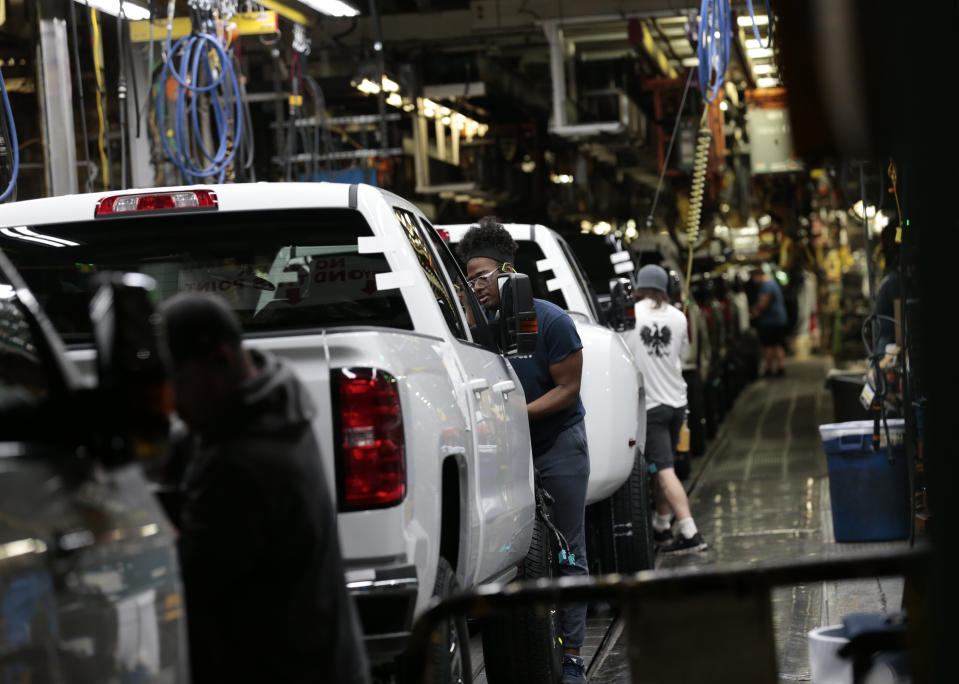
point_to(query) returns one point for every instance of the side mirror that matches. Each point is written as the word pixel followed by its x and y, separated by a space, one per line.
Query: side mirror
pixel 135 392
pixel 518 327
pixel 622 312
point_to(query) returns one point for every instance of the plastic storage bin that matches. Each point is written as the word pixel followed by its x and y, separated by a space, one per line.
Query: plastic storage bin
pixel 870 492
pixel 825 664
pixel 846 386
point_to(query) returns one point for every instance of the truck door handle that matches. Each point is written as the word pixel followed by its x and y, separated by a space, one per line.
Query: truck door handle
pixel 478 384
pixel 504 386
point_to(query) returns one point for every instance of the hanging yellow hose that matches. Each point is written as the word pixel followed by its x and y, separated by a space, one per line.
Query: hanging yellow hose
pixel 98 72
pixel 696 191
pixel 894 177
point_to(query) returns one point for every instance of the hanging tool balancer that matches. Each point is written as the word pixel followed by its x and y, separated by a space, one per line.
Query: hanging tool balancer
pixel 206 83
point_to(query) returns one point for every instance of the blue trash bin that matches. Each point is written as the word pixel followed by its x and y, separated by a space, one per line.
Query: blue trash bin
pixel 869 490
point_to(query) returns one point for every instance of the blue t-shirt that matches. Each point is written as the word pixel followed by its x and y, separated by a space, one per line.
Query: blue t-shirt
pixel 890 289
pixel 775 313
pixel 557 339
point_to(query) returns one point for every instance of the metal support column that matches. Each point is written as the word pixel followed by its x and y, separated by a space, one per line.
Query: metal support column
pixel 141 165
pixel 56 98
pixel 557 69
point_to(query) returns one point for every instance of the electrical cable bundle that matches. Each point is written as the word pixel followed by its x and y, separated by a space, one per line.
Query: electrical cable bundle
pixel 206 82
pixel 712 50
pixel 713 46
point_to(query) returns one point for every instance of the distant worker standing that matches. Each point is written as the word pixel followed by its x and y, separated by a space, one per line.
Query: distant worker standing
pixel 265 592
pixel 551 381
pixel 769 312
pixel 658 343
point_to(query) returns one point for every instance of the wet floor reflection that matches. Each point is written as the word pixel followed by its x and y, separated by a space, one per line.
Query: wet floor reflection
pixel 762 495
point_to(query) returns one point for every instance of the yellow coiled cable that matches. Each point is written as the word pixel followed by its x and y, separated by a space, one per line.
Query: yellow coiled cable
pixel 696 191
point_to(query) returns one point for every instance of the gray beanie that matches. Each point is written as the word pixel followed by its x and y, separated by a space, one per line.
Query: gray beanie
pixel 653 277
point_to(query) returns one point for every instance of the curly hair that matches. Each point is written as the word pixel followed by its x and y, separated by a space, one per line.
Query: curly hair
pixel 488 238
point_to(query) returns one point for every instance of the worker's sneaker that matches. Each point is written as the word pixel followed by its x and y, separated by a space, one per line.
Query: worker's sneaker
pixel 662 538
pixel 686 544
pixel 573 672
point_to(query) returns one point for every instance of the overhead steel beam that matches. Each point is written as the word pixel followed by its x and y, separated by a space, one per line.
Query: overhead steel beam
pixel 486 17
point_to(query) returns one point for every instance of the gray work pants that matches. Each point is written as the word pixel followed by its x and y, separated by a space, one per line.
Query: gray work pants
pixel 564 472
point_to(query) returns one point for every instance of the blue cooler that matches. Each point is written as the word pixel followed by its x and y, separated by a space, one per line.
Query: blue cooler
pixel 870 493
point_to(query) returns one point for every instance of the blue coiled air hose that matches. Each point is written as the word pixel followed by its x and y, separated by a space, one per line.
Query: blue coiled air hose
pixel 13 144
pixel 769 15
pixel 188 151
pixel 713 47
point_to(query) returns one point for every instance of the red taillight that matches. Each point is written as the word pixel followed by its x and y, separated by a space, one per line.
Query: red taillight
pixel 372 468
pixel 116 205
pixel 444 234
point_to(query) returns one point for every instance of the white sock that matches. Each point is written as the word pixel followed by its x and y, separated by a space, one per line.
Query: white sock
pixel 686 527
pixel 661 523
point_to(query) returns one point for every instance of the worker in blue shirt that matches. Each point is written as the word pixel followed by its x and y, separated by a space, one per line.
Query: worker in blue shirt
pixel 551 381
pixel 770 316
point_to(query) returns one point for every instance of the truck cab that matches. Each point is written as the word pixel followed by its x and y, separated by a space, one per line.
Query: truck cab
pixel 421 419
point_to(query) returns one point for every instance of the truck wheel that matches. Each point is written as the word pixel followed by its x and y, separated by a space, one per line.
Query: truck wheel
pixel 450 653
pixel 521 645
pixel 624 520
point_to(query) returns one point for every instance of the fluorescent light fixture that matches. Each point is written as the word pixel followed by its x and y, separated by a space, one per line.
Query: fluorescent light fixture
pixel 691 62
pixel 764 69
pixel 130 10
pixel 724 105
pixel 746 21
pixel 395 100
pixel 757 53
pixel 767 82
pixel 334 8
pixel 857 209
pixel 561 178
pixel 752 44
pixel 369 87
pixel 390 85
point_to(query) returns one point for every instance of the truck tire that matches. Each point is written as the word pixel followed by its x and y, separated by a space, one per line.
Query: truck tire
pixel 450 653
pixel 696 418
pixel 623 524
pixel 521 645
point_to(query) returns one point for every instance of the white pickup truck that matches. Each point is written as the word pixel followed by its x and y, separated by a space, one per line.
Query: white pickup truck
pixel 422 421
pixel 613 394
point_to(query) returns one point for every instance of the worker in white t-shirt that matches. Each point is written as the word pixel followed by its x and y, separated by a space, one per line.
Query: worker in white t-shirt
pixel 658 343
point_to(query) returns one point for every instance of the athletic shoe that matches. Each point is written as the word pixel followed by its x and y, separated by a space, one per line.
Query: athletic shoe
pixel 686 544
pixel 573 672
pixel 663 537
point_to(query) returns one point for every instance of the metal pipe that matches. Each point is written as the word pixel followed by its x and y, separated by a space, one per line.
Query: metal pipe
pixel 381 69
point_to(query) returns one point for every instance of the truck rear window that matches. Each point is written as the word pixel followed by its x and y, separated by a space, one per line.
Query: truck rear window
pixel 280 270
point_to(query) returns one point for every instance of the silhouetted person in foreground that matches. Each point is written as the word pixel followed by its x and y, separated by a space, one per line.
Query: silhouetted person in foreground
pixel 265 594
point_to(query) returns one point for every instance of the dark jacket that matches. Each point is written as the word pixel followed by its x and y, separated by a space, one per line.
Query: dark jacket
pixel 265 593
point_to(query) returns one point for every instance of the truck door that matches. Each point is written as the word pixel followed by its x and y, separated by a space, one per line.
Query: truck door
pixel 501 457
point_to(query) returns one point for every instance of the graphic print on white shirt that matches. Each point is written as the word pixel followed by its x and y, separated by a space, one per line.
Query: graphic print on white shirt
pixel 656 340
pixel 658 343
